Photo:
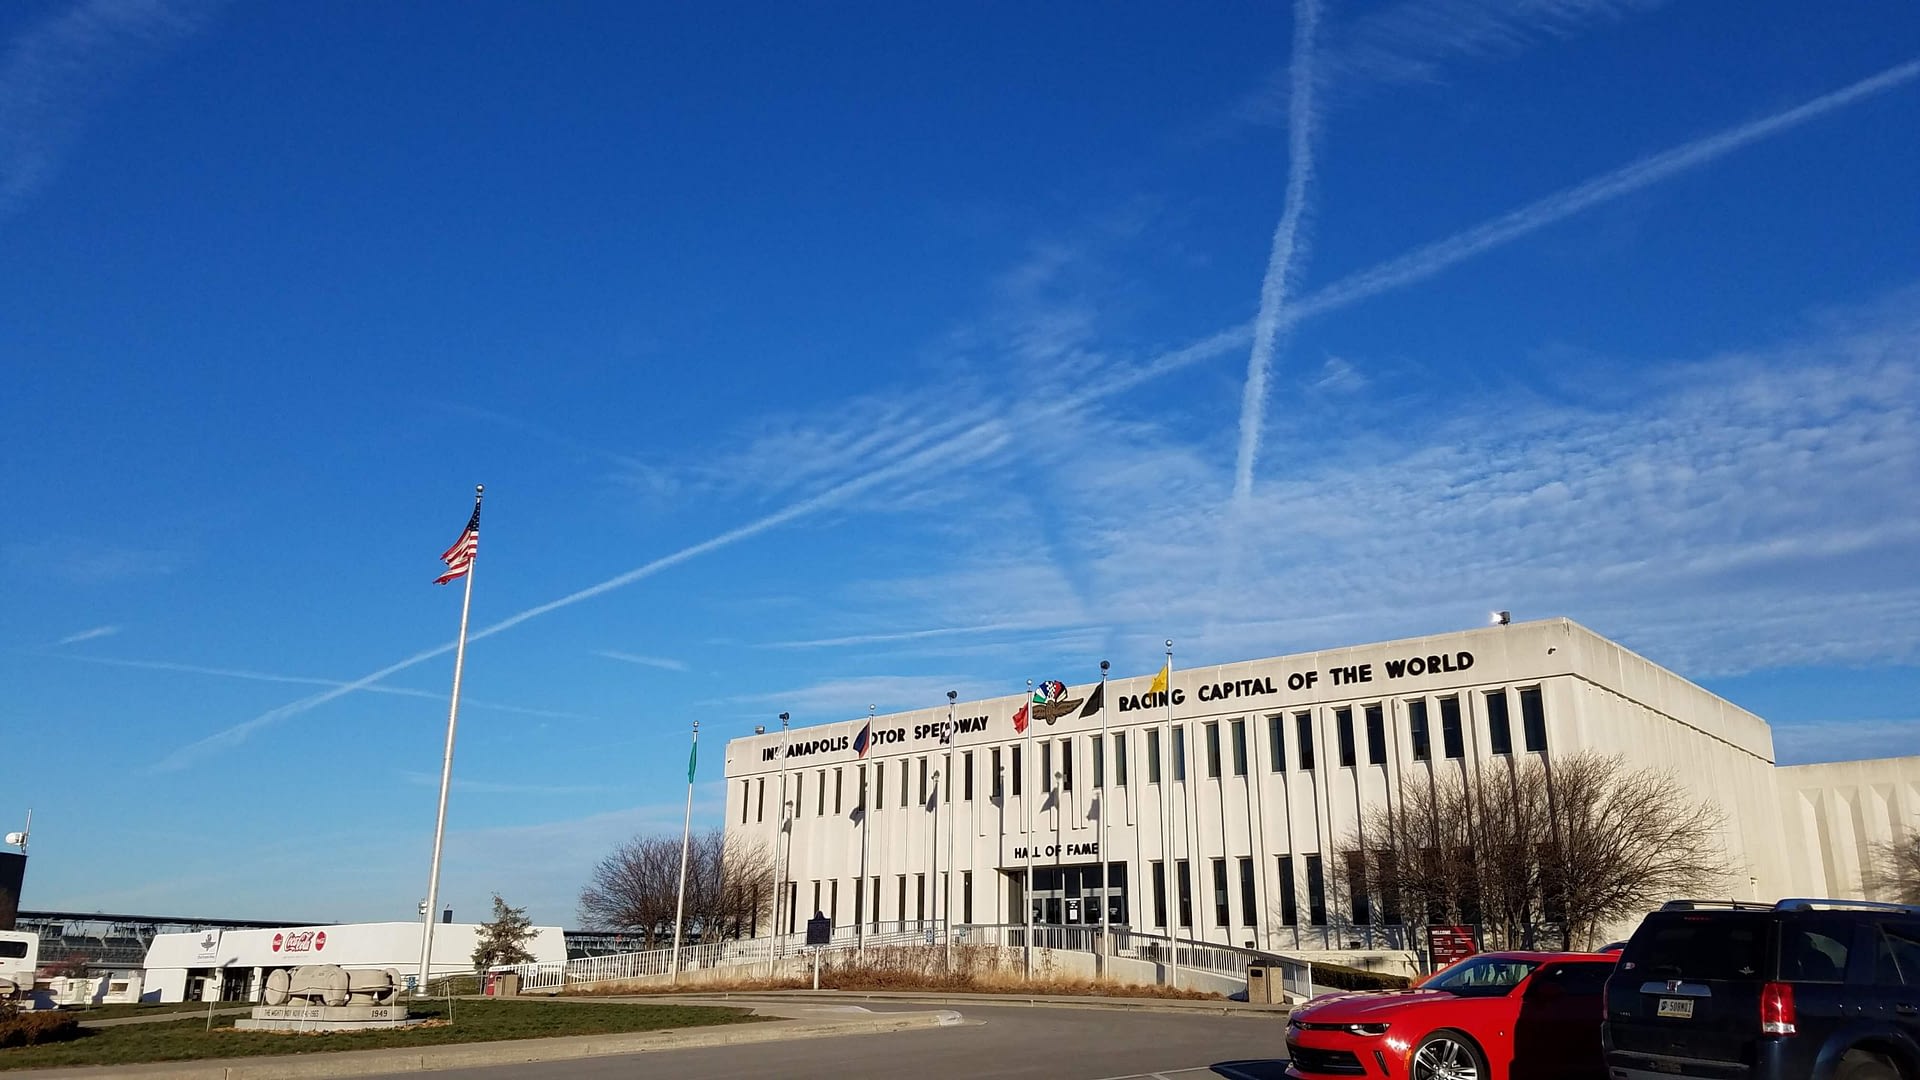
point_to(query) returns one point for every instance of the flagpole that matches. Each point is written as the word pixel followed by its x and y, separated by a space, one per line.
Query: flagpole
pixel 868 796
pixel 779 864
pixel 1026 808
pixel 1106 766
pixel 1173 924
pixel 446 763
pixel 953 810
pixel 686 835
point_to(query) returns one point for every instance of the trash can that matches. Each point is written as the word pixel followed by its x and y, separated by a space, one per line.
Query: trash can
pixel 509 984
pixel 1260 989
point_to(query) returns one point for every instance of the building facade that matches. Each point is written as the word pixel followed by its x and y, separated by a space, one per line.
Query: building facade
pixel 1235 793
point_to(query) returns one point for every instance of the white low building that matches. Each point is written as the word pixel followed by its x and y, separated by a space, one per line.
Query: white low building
pixel 1270 766
pixel 232 965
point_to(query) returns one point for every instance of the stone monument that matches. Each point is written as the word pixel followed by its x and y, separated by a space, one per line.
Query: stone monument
pixel 328 997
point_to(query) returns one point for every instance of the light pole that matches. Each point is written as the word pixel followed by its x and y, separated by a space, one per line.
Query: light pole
pixel 946 887
pixel 1106 766
pixel 933 848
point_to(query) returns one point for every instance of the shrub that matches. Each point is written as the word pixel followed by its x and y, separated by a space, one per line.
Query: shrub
pixel 18 1028
pixel 1347 978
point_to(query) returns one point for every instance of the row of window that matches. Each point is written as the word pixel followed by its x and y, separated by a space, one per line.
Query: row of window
pixel 826 900
pixel 1533 731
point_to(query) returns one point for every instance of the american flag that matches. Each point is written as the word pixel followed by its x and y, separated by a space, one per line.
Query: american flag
pixel 459 557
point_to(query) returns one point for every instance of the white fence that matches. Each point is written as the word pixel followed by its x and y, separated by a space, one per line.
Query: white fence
pixel 1295 975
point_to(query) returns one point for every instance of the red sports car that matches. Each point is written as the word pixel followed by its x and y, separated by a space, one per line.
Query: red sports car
pixel 1495 1016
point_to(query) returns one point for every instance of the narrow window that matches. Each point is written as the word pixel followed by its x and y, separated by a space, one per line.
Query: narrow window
pixel 1248 901
pixel 1417 730
pixel 906 780
pixel 1153 756
pixel 1499 728
pixel 1450 728
pixel 1221 916
pixel 1390 885
pixel 861 806
pixel 1360 910
pixel 903 898
pixel 833 900
pixel 799 781
pixel 1237 731
pixel 1316 891
pixel 1533 720
pixel 1277 735
pixel 879 794
pixel 999 778
pixel 1120 758
pixel 821 809
pixel 1376 735
pixel 1066 764
pixel 760 801
pixel 967 763
pixel 920 897
pixel 1289 898
pixel 1212 733
pixel 966 896
pixel 1180 753
pixel 1343 733
pixel 859 903
pixel 1099 763
pixel 839 786
pixel 876 901
pixel 816 897
pixel 1303 739
pixel 746 793
pixel 1159 893
pixel 1017 771
pixel 923 781
pixel 1185 875
pixel 1046 765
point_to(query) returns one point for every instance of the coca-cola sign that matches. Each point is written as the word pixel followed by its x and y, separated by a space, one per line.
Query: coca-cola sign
pixel 300 941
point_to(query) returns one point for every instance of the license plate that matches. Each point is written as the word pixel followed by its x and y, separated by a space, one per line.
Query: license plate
pixel 1677 1008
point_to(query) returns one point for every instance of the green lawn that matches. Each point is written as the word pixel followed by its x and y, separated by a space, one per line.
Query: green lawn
pixel 114 1012
pixel 473 1021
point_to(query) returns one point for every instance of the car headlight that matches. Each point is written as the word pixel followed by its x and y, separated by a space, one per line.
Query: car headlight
pixel 1369 1030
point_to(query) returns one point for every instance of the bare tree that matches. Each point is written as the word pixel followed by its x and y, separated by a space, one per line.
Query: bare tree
pixel 1534 853
pixel 1897 868
pixel 635 888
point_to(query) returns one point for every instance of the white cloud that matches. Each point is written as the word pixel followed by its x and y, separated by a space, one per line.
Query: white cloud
pixel 89 562
pixel 61 68
pixel 88 635
pixel 661 662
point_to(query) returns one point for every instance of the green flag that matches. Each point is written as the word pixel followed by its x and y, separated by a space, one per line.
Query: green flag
pixel 693 759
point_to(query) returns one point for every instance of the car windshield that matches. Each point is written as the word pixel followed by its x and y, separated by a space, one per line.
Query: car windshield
pixel 1482 976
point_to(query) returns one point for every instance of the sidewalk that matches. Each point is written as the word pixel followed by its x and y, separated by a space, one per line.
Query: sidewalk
pixel 803 1021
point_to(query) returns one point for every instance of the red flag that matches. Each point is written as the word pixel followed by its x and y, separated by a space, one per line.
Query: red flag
pixel 1020 721
pixel 459 557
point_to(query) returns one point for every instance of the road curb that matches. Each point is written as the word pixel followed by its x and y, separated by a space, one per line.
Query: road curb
pixel 520 1051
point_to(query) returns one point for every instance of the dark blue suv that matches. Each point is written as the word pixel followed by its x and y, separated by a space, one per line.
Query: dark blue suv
pixel 1798 990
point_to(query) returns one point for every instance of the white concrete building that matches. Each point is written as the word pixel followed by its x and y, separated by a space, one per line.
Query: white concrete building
pixel 1227 828
pixel 232 965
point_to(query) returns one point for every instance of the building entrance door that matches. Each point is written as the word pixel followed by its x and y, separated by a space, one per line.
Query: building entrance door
pixel 1071 895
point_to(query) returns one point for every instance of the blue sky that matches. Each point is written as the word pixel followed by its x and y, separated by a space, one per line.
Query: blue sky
pixel 875 350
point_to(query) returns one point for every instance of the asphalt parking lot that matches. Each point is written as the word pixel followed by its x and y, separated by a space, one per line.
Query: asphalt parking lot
pixel 997 1041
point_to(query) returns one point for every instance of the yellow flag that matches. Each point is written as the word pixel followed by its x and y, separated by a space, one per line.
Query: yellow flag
pixel 1159 685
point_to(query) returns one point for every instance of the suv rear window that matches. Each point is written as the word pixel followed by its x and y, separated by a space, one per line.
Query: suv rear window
pixel 1717 947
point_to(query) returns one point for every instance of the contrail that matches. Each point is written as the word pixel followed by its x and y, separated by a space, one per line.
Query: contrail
pixel 976 438
pixel 1425 262
pixel 309 680
pixel 1274 321
pixel 967 439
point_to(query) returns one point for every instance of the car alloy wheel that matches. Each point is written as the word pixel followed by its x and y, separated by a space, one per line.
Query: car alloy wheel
pixel 1447 1055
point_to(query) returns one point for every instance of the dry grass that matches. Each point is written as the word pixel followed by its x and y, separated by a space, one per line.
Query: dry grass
pixel 977 969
